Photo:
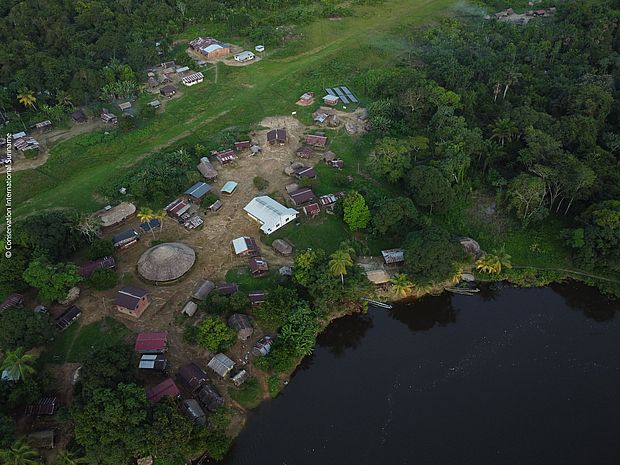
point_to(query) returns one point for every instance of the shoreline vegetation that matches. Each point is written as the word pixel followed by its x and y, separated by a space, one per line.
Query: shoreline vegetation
pixel 490 150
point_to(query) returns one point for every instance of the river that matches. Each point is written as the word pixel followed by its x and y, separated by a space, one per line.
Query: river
pixel 509 376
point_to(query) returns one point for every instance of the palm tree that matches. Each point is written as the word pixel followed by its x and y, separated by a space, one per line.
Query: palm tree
pixel 401 285
pixel 145 215
pixel 27 99
pixel 18 364
pixel 64 99
pixel 70 458
pixel 161 216
pixel 340 261
pixel 504 130
pixel 494 263
pixel 19 453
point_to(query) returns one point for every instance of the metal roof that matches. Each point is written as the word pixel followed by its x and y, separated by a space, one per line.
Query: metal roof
pixel 221 364
pixel 229 187
pixel 271 214
pixel 151 342
pixel 198 190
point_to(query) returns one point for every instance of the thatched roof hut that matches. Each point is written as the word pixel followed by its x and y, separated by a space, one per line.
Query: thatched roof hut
pixel 207 169
pixel 202 290
pixel 283 247
pixel 166 262
pixel 242 324
pixel 378 276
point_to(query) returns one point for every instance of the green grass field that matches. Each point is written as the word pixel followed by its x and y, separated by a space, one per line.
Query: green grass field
pixel 73 344
pixel 329 53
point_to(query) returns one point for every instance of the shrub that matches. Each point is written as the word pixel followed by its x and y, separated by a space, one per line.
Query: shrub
pixel 260 183
pixel 248 395
pixel 103 279
pixel 214 335
pixel 274 384
pixel 99 248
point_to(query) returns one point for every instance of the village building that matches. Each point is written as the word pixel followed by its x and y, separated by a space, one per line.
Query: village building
pixel 209 396
pixel 282 247
pixel 108 117
pixel 255 149
pixel 87 269
pixel 151 343
pixel 229 187
pixel 245 246
pixel 155 104
pixel 331 100
pixel 194 412
pixel 193 79
pixel 305 172
pixel 166 388
pixel 78 117
pixel 241 377
pixel 125 106
pixel 207 169
pixel 227 288
pixel 244 56
pixel 242 145
pixel 215 206
pixel 392 256
pixel 210 48
pixel 167 65
pixel 195 193
pixel 378 276
pixel 202 290
pixel 132 301
pixel 257 297
pixel 17 135
pixel 68 317
pixel 221 364
pixel 43 125
pixel 316 140
pixel 304 151
pixel 113 216
pixel 125 238
pixel 189 308
pixel 285 271
pixel 44 407
pixel 262 346
pixel 312 210
pixel 271 215
pixel 225 156
pixel 306 99
pixel 338 164
pixel 177 208
pixel 26 144
pixel 328 156
pixel 258 266
pixel 166 262
pixel 42 439
pixel 276 136
pixel 153 362
pixel 12 300
pixel 301 196
pixel 242 324
pixel 150 225
pixel 168 91
pixel 152 82
pixel 192 376
pixel 182 69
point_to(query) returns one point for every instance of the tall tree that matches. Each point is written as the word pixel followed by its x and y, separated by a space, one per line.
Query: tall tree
pixel 19 453
pixel 18 364
pixel 339 262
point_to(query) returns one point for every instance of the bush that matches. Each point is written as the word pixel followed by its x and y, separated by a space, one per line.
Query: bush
pixel 103 279
pixel 23 328
pixel 214 335
pixel 190 334
pixel 99 248
pixel 274 384
pixel 260 183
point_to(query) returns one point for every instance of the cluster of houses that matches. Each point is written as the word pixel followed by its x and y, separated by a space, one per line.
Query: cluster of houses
pixel 391 258
pixel 212 49
pixel 522 18
pixel 23 142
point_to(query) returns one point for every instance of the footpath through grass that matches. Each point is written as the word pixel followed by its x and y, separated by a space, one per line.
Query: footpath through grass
pixel 81 167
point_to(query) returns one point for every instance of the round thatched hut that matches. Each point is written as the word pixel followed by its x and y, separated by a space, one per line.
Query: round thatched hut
pixel 166 262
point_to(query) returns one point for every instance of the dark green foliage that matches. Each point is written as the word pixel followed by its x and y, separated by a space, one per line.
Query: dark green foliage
pixel 99 248
pixel 274 312
pixel 281 359
pixel 393 216
pixel 52 281
pixel 106 367
pixel 275 385
pixel 248 394
pixel 260 183
pixel 21 327
pixel 103 279
pixel 51 233
pixel 11 272
pixel 7 430
pixel 356 213
pixel 432 256
pixel 429 188
pixel 22 394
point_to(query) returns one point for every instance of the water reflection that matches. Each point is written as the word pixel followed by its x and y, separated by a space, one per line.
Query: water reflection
pixel 345 333
pixel 426 313
pixel 588 300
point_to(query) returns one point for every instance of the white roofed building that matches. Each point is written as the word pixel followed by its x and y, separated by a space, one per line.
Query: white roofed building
pixel 270 214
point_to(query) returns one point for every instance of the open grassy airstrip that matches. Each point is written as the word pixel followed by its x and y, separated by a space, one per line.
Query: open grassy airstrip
pixel 329 52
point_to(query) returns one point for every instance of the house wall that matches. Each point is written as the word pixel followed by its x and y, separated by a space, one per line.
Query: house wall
pixel 138 311
pixel 219 53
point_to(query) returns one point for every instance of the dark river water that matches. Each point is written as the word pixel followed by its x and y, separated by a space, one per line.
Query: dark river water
pixel 511 376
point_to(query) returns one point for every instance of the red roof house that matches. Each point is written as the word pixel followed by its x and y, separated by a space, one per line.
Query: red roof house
pixel 225 156
pixel 316 141
pixel 258 266
pixel 277 136
pixel 163 389
pixel 242 145
pixel 151 343
pixel 312 210
pixel 302 196
pixel 88 268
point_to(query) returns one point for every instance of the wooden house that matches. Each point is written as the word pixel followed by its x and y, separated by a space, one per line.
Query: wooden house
pixel 208 395
pixel 68 317
pixel 245 246
pixel 168 91
pixel 227 288
pixel 225 156
pixel 202 290
pixel 304 151
pixel 207 169
pixel 242 145
pixel 151 343
pixel 78 117
pixel 105 263
pixel 312 210
pixel 221 364
pixel 262 346
pixel 301 196
pixel 108 117
pixel 125 238
pixel 258 266
pixel 257 297
pixel 132 301
pixel 277 136
pixel 242 324
pixel 195 193
pixel 192 376
pixel 316 140
pixel 167 388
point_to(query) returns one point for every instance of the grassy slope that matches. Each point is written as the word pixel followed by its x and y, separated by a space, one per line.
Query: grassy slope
pixel 77 168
